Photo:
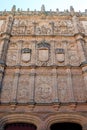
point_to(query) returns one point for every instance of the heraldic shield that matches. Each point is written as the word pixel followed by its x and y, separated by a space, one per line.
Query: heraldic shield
pixel 43 51
pixel 26 55
pixel 60 55
pixel 43 55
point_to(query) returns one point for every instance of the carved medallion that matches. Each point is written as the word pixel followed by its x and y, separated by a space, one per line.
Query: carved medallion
pixel 60 55
pixel 26 54
pixel 44 91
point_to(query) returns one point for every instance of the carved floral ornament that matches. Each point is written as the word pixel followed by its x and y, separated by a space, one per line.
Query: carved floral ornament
pixel 43 51
pixel 26 54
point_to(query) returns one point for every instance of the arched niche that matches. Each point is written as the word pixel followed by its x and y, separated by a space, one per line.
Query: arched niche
pixel 65 126
pixel 20 126
pixel 65 118
pixel 19 119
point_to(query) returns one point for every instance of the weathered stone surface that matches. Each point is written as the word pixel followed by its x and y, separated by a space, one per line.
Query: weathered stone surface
pixel 43 67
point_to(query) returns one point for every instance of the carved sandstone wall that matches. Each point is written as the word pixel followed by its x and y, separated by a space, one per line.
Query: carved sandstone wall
pixel 43 62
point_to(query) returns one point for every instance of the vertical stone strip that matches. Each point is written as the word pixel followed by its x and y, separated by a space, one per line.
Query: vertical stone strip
pixel 52 27
pixel 84 70
pixel 15 86
pixel 19 52
pixel 55 85
pixel 53 62
pixel 79 38
pixel 6 37
pixel 34 26
pixel 81 54
pixel 32 86
pixel 34 53
pixel 69 85
pixel 4 46
pixel 2 67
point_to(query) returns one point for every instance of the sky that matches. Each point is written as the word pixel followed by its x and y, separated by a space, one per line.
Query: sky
pixel 49 4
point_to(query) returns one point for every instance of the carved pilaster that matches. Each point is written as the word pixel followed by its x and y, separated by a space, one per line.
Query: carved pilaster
pixel 6 38
pixel 69 84
pixel 80 42
pixel 53 62
pixel 32 86
pixel 55 85
pixel 34 53
pixel 15 86
pixel 75 23
pixel 1 77
pixel 84 70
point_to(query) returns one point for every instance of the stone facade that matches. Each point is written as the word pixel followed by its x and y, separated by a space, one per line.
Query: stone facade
pixel 43 67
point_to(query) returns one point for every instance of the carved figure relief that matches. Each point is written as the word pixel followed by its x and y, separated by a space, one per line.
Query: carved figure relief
pixel 60 55
pixel 2 25
pixel 73 55
pixel 22 27
pixel 84 24
pixel 43 30
pixel 26 54
pixel 63 27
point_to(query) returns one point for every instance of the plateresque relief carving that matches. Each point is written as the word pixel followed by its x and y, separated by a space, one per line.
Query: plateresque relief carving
pixel 2 25
pixel 44 92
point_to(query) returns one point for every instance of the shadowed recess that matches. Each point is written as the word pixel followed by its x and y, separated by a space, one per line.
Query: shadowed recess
pixel 65 126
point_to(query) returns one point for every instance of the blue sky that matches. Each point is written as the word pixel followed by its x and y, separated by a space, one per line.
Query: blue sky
pixel 49 4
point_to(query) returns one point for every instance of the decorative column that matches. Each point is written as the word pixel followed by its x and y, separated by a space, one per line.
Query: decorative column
pixel 2 67
pixel 5 38
pixel 4 46
pixel 32 85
